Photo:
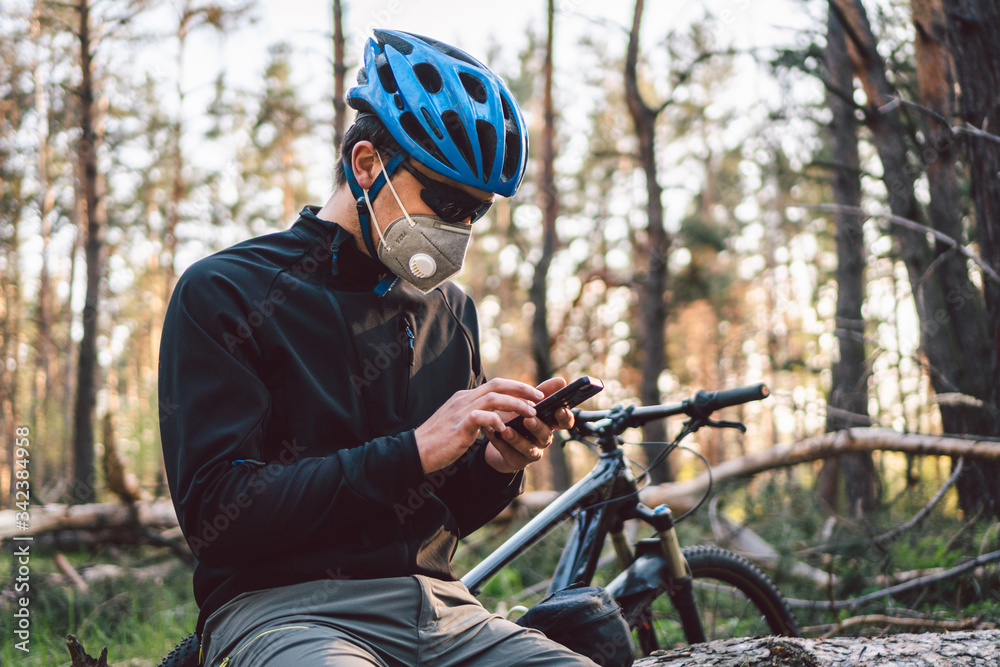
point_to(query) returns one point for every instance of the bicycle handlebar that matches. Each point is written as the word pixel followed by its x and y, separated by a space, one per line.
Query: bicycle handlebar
pixel 701 405
pixel 708 402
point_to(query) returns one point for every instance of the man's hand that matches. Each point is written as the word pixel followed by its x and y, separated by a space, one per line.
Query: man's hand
pixel 509 451
pixel 452 429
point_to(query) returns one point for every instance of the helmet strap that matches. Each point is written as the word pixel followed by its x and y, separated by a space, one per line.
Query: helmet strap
pixel 363 199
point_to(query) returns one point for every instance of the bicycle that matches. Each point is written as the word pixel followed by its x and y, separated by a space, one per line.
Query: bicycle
pixel 657 574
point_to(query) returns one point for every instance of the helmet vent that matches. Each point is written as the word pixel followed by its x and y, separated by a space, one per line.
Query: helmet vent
pixel 487 146
pixel 507 115
pixel 473 86
pixel 362 76
pixel 431 124
pixel 395 42
pixel 453 124
pixel 412 127
pixel 511 144
pixel 385 75
pixel 429 77
pixel 449 50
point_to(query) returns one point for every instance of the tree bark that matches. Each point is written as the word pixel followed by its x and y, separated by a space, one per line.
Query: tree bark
pixel 83 420
pixel 952 338
pixel 178 188
pixel 972 29
pixel 902 650
pixel 849 386
pixel 651 297
pixel 339 72
pixel 10 336
pixel 42 380
pixel 541 341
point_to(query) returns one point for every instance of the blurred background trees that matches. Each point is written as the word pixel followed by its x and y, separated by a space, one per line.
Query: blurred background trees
pixel 817 213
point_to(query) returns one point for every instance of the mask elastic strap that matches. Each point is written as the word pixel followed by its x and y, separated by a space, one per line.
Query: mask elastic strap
pixel 398 201
pixel 374 222
pixel 363 199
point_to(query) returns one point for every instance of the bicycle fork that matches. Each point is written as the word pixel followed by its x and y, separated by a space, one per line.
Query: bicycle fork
pixel 678 580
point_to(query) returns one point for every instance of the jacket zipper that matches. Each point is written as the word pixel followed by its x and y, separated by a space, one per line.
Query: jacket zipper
pixel 406 328
pixel 226 660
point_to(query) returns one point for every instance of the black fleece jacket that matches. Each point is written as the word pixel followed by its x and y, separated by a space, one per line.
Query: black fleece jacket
pixel 288 395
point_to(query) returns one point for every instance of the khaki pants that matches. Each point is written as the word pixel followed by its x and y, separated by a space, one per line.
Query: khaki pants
pixel 400 621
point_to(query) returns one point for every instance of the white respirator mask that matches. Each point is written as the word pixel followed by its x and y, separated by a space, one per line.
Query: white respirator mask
pixel 423 250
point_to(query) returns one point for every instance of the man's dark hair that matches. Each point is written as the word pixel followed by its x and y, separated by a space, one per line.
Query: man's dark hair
pixel 366 127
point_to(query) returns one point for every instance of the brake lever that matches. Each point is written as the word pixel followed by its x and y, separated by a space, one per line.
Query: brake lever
pixel 726 424
pixel 696 423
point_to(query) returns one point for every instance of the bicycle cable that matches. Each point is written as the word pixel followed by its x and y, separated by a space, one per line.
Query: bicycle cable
pixel 708 490
pixel 645 472
pixel 594 447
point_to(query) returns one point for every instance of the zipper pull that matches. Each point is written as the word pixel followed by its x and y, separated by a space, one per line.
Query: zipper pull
pixel 409 338
pixel 334 266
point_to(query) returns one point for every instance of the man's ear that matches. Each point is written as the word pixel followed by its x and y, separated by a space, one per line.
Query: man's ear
pixel 365 164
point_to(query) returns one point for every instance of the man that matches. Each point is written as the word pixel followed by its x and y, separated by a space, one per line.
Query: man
pixel 327 428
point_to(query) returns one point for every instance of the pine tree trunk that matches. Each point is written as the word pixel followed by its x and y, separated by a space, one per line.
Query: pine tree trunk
pixel 541 341
pixel 10 331
pixel 177 186
pixel 972 29
pixel 83 421
pixel 951 337
pixel 848 390
pixel 339 72
pixel 651 297
pixel 41 382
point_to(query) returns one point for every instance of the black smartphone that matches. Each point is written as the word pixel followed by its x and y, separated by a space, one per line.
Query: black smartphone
pixel 570 396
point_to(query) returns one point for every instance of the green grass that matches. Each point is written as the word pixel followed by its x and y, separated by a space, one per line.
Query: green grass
pixel 139 621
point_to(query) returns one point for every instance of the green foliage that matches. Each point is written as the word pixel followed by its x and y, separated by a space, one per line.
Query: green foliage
pixel 137 619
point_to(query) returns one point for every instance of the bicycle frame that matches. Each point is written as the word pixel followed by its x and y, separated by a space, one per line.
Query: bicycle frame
pixel 603 499
pixel 579 558
pixel 593 524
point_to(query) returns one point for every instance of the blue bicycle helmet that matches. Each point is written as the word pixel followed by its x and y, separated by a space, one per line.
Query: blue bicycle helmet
pixel 445 108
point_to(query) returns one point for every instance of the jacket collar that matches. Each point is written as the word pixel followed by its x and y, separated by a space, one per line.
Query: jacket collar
pixel 351 268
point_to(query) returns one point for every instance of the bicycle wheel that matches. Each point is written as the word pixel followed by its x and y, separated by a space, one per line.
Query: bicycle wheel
pixel 734 599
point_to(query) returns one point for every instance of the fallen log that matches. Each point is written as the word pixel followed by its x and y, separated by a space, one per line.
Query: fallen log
pixel 98 516
pixel 681 496
pixel 955 649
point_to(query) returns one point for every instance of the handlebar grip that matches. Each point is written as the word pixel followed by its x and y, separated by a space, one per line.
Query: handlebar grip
pixel 705 403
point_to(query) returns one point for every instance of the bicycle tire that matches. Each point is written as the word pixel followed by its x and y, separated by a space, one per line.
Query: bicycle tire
pixel 185 654
pixel 751 605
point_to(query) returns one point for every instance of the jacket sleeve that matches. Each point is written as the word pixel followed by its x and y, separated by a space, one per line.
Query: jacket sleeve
pixel 213 406
pixel 473 491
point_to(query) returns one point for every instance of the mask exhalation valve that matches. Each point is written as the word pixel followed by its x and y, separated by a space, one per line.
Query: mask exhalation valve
pixel 422 265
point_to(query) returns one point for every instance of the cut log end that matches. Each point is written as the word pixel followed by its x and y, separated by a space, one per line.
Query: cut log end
pixel 79 656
